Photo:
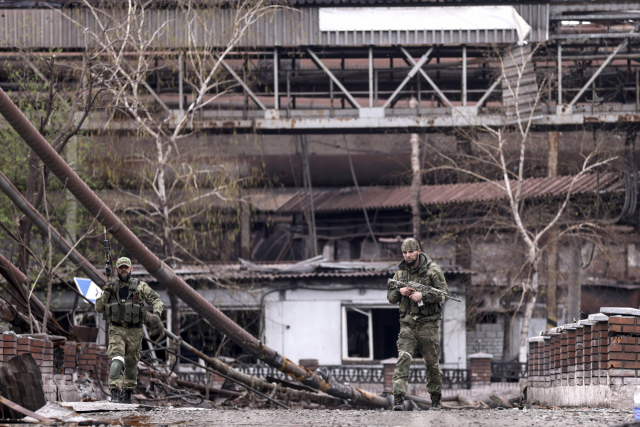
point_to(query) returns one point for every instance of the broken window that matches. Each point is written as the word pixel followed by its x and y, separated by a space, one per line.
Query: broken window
pixel 369 333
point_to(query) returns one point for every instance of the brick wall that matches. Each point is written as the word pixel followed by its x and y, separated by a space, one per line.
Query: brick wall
pixel 79 359
pixel 603 350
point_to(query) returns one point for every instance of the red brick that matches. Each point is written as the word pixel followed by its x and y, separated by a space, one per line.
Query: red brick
pixel 622 321
pixel 615 328
pixel 622 356
pixel 617 363
pixel 37 343
pixel 631 365
pixel 631 329
pixel 24 348
pixel 9 338
pixel 23 340
pixel 615 347
pixel 624 339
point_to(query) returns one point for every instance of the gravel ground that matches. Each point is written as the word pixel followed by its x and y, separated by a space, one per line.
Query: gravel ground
pixel 453 418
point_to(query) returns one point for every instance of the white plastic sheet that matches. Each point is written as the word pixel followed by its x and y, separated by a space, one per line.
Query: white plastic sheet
pixel 424 18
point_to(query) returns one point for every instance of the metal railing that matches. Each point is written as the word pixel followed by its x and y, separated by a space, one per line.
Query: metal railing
pixel 451 378
pixel 505 372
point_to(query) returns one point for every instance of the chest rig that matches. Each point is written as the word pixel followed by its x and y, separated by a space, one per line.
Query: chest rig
pixel 407 306
pixel 127 310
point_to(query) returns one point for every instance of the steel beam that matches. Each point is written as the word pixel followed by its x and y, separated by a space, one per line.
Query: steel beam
pixel 428 79
pixel 370 77
pixel 276 94
pixel 598 71
pixel 464 75
pixel 242 83
pixel 489 91
pixel 324 68
pixel 416 67
pixel 559 73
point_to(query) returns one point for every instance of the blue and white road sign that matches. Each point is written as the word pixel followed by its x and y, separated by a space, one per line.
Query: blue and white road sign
pixel 90 290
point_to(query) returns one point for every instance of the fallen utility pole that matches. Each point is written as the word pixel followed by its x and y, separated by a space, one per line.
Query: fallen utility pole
pixel 249 380
pixel 17 280
pixel 11 272
pixel 164 274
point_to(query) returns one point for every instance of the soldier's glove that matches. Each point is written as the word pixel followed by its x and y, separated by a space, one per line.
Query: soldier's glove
pixel 155 325
pixel 109 288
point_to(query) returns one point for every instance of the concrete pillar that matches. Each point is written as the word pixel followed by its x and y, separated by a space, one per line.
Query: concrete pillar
pixel 480 365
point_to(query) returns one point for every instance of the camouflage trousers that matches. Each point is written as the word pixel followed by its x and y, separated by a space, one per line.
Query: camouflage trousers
pixel 125 343
pixel 425 337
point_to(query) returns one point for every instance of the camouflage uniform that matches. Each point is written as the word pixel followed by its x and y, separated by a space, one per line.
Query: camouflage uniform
pixel 125 339
pixel 419 327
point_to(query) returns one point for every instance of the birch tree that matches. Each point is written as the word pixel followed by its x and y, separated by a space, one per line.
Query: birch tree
pixel 500 157
pixel 175 191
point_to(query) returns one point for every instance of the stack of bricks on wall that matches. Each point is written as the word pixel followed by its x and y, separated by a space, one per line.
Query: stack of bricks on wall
pixel 594 362
pixel 61 362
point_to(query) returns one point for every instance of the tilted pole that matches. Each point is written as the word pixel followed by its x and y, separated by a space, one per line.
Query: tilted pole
pixel 163 274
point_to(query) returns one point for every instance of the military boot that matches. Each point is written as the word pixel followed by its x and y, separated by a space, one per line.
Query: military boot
pixel 116 397
pixel 126 397
pixel 436 401
pixel 398 402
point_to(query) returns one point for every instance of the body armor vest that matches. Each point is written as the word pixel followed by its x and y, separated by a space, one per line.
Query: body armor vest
pixel 409 307
pixel 129 310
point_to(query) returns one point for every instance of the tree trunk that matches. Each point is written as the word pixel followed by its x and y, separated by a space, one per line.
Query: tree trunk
pixel 528 312
pixel 24 227
pixel 416 181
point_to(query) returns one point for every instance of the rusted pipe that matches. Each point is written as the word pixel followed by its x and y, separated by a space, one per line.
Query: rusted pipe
pixel 18 280
pixel 162 272
pixel 189 384
pixel 43 225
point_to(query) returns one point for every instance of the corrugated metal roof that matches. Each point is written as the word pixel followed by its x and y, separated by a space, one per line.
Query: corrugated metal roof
pixel 398 197
pixel 237 272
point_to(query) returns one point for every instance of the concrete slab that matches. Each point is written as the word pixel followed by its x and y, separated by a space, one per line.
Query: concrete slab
pixel 623 311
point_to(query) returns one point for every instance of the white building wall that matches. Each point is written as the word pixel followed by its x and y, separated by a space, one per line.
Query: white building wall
pixel 454 341
pixel 306 324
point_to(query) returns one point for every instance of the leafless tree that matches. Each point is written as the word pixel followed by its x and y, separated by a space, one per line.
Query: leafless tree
pixel 499 155
pixel 178 188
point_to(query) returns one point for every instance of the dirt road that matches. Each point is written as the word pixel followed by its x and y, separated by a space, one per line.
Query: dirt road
pixel 457 418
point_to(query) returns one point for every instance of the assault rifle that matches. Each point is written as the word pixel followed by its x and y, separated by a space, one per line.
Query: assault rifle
pixel 419 287
pixel 107 254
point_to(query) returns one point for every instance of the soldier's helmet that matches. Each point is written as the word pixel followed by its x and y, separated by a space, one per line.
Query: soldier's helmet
pixel 410 244
pixel 123 261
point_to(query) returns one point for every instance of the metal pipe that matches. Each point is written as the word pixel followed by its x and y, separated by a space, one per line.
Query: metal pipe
pixel 39 221
pixel 598 71
pixel 163 273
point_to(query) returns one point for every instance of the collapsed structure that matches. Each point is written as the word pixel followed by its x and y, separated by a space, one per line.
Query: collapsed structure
pixel 319 71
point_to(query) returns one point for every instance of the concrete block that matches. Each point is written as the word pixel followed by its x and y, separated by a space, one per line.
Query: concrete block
pixel 624 311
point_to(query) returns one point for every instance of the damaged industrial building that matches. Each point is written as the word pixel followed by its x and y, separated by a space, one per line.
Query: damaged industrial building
pixel 260 164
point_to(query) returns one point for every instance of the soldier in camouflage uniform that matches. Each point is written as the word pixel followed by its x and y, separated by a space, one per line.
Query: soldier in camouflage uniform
pixel 122 303
pixel 419 326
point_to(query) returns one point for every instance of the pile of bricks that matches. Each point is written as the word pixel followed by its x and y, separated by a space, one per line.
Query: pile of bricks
pixel 77 360
pixel 603 350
